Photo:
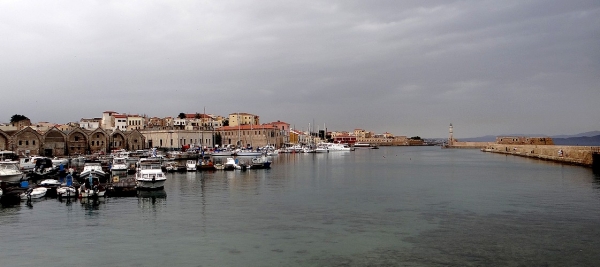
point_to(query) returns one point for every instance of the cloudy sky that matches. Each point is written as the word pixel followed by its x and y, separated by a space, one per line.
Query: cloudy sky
pixel 405 67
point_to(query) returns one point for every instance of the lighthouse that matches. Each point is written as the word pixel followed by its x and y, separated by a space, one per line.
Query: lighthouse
pixel 450 138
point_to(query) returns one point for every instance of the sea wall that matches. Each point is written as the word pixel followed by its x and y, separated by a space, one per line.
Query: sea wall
pixel 579 155
pixel 469 145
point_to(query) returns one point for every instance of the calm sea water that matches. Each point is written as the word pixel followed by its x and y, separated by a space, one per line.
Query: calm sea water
pixel 397 206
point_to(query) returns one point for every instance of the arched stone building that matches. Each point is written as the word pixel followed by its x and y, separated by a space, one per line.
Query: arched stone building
pixel 118 140
pixel 27 142
pixel 98 141
pixel 135 140
pixel 4 140
pixel 77 142
pixel 54 143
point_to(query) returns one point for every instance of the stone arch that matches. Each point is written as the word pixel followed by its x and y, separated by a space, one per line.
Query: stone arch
pixel 135 140
pixel 54 143
pixel 4 141
pixel 77 142
pixel 98 141
pixel 118 140
pixel 27 142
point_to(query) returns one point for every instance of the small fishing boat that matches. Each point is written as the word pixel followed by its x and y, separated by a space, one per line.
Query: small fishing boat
pixel 66 191
pixel 190 165
pixel 92 188
pixel 34 193
pixel 262 162
pixel 231 164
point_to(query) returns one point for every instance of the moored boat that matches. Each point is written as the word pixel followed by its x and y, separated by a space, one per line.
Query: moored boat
pixel 190 165
pixel 119 164
pixel 92 187
pixel 150 176
pixel 66 191
pixel 231 164
pixel 34 193
pixel 94 169
pixel 9 171
pixel 262 162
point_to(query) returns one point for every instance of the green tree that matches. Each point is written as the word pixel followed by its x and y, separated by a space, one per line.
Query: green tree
pixel 181 115
pixel 17 118
pixel 226 122
pixel 415 138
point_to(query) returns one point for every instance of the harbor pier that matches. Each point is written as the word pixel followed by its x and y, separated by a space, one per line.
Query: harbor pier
pixel 578 155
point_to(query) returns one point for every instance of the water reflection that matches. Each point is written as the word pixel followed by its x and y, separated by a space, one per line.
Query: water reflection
pixel 151 197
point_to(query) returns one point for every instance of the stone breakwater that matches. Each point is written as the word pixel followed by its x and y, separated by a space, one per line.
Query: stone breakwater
pixel 579 155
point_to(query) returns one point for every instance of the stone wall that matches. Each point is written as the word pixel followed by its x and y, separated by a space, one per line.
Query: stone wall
pixel 580 155
pixel 474 145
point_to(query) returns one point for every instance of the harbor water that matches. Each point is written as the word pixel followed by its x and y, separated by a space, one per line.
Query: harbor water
pixel 394 206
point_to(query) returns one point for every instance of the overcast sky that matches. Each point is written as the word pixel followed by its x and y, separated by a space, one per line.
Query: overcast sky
pixel 405 67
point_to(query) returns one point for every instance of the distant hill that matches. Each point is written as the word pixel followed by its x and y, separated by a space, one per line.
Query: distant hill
pixel 578 141
pixel 583 139
pixel 586 134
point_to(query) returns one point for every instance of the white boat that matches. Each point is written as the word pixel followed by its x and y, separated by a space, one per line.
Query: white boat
pixel 91 187
pixel 231 164
pixel 150 176
pixel 38 192
pixel 247 153
pixel 322 148
pixel 93 192
pixel 56 162
pixel 338 147
pixel 93 168
pixel 49 183
pixel 365 145
pixel 9 171
pixel 262 162
pixel 66 191
pixel 190 165
pixel 119 164
pixel 222 152
pixel 29 164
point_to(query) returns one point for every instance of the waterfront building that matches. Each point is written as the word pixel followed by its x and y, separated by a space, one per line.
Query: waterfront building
pixel 75 141
pixel 108 121
pixel 120 121
pixel 135 122
pixel 177 138
pixel 90 124
pixel 236 119
pixel 251 135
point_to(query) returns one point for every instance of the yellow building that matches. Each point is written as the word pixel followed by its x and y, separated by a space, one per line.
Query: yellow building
pixel 236 119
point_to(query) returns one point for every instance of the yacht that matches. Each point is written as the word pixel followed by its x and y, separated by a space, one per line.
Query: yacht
pixel 190 165
pixel 150 176
pixel 9 171
pixel 94 169
pixel 119 164
pixel 339 147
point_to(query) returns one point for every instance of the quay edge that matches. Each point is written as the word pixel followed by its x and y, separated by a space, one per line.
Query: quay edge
pixel 587 156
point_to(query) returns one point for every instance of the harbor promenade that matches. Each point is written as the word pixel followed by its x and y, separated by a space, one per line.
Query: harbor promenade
pixel 579 155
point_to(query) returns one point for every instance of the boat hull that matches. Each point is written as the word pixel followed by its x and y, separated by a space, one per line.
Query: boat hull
pixel 66 192
pixel 36 193
pixel 12 178
pixel 150 185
